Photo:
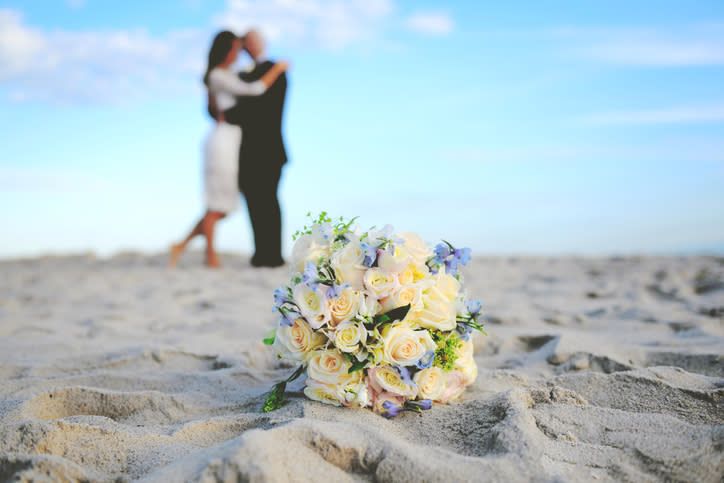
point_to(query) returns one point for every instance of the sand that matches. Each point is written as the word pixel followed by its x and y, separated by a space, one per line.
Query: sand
pixel 595 369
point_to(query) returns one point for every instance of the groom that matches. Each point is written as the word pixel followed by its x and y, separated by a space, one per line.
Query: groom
pixel 262 154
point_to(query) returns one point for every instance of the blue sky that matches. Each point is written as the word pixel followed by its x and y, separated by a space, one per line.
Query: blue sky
pixel 510 127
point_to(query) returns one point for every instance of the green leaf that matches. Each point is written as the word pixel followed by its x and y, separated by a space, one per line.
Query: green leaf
pixel 275 399
pixel 356 366
pixel 270 336
pixel 395 314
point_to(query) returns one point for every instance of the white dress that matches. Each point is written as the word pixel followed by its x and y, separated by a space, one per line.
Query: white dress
pixel 221 148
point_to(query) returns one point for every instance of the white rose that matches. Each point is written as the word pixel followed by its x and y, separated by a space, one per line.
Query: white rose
pixel 454 386
pixel 386 378
pixel 306 249
pixel 418 249
pixel 430 383
pixel 329 367
pixel 379 282
pixel 347 264
pixel 465 363
pixel 312 304
pixel 325 393
pixel 344 307
pixel 297 341
pixel 394 258
pixel 349 335
pixel 369 306
pixel 403 346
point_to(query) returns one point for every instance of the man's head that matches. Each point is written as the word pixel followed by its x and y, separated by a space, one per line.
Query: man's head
pixel 254 43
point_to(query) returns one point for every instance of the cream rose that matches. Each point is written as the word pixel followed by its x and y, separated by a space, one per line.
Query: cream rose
pixel 325 393
pixel 379 282
pixel 357 395
pixel 307 249
pixel 347 264
pixel 394 258
pixel 344 307
pixel 349 335
pixel 297 341
pixel 465 363
pixel 329 367
pixel 403 346
pixel 312 304
pixel 454 386
pixel 430 383
pixel 405 294
pixel 416 246
pixel 386 378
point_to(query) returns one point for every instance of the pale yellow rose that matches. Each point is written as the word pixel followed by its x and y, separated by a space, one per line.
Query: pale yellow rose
pixel 380 283
pixel 325 393
pixel 348 266
pixel 405 294
pixel 297 341
pixel 465 363
pixel 349 335
pixel 328 366
pixel 418 249
pixel 394 258
pixel 386 378
pixel 434 314
pixel 430 383
pixel 404 346
pixel 446 287
pixel 454 386
pixel 344 307
pixel 312 304
pixel 306 249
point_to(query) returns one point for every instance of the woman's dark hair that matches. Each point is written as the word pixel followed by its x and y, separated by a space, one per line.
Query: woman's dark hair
pixel 220 48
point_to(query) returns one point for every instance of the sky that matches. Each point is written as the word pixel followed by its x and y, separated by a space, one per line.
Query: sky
pixel 554 127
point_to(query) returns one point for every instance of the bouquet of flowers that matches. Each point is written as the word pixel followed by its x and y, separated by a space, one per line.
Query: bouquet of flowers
pixel 374 319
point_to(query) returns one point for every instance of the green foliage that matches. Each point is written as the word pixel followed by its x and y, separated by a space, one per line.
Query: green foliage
pixel 275 399
pixel 398 313
pixel 446 353
pixel 340 227
pixel 269 337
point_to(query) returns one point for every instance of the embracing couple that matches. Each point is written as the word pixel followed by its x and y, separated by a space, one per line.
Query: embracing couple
pixel 244 151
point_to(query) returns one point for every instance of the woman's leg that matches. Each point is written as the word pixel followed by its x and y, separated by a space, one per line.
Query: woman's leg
pixel 178 248
pixel 207 228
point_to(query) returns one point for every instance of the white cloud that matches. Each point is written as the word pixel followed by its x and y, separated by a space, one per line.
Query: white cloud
pixel 701 44
pixel 674 115
pixel 330 24
pixel 108 66
pixel 433 23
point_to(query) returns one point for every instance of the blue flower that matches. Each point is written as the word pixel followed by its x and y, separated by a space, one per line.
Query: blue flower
pixel 280 295
pixel 426 360
pixel 336 290
pixel 288 316
pixel 370 254
pixel 310 275
pixel 463 255
pixel 423 404
pixel 464 331
pixel 451 266
pixel 405 375
pixel 391 409
pixel 473 306
pixel 442 251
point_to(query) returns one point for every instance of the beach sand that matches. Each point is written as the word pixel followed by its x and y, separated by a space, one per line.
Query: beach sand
pixel 594 369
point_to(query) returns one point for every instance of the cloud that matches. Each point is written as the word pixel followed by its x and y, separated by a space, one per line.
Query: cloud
pixel 432 23
pixel 76 3
pixel 675 115
pixel 330 24
pixel 94 65
pixel 694 45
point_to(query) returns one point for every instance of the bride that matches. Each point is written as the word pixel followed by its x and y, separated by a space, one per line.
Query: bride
pixel 221 148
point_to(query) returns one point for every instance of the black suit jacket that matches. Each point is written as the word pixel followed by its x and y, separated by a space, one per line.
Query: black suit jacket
pixel 260 118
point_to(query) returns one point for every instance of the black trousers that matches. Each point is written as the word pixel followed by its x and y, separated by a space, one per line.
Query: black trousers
pixel 260 185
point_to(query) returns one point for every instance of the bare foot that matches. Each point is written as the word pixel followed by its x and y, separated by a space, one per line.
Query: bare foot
pixel 212 261
pixel 176 251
